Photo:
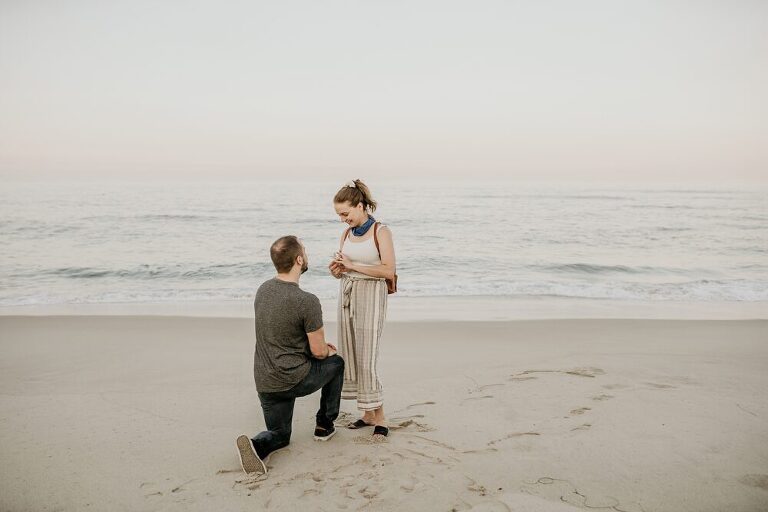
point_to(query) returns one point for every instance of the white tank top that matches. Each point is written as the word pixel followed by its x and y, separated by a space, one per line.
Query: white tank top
pixel 363 253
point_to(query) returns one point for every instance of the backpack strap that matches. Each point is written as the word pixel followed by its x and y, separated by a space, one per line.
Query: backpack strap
pixel 376 238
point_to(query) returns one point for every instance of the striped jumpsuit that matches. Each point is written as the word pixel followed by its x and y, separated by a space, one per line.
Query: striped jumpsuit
pixel 362 310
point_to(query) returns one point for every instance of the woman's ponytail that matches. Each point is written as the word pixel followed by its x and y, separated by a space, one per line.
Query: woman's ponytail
pixel 354 193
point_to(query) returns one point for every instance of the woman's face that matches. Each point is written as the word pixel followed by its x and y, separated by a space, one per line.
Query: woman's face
pixel 352 215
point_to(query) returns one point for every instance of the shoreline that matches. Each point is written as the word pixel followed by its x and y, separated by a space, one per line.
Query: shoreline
pixel 414 309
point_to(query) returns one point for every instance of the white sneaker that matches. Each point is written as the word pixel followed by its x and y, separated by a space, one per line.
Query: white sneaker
pixel 249 459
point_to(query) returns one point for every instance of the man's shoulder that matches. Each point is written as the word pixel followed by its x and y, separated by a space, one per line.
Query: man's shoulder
pixel 274 287
pixel 308 297
pixel 269 282
pixel 265 287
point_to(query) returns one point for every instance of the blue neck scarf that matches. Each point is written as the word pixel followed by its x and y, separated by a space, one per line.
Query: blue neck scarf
pixel 361 230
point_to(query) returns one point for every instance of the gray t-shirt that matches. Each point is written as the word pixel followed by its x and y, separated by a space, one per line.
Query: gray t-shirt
pixel 284 315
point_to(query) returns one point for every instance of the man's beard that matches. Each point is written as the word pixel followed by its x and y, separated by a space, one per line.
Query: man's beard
pixel 304 268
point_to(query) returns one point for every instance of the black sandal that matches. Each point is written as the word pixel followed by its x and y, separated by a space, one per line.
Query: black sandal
pixel 381 431
pixel 359 424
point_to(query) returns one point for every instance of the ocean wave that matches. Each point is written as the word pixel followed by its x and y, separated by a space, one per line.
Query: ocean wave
pixel 703 191
pixel 578 197
pixel 37 229
pixel 662 206
pixel 154 217
pixel 159 272
pixel 177 216
pixel 748 227
pixel 600 197
pixel 592 268
pixel 673 229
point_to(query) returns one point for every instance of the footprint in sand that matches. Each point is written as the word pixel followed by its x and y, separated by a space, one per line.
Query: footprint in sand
pixel 174 490
pixel 587 371
pixel 565 491
pixel 369 492
pixel 476 487
pixel 420 404
pixel 149 489
pixel 410 484
pixel 512 435
pixel 615 386
pixel 224 471
pixel 584 426
pixel 600 398
pixel 411 406
pixel 490 506
pixel 580 410
pixel 681 379
pixel 377 439
pixel 524 377
pixel 484 397
pixel 479 489
pixel 410 423
pixel 306 476
pixel 755 480
pixel 486 386
pixel 344 419
pixel 661 386
pixel 252 481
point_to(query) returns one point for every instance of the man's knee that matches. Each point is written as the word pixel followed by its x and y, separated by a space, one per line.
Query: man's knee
pixel 338 362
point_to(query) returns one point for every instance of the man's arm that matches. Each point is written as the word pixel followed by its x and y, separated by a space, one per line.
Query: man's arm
pixel 318 346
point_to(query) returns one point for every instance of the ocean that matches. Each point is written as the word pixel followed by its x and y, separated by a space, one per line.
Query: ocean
pixel 95 243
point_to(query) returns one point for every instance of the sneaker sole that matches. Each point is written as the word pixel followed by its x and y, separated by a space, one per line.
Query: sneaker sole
pixel 324 438
pixel 249 460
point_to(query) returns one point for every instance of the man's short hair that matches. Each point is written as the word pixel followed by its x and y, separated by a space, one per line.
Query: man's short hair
pixel 284 252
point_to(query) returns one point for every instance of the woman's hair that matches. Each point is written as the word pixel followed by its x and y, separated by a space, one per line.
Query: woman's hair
pixel 360 193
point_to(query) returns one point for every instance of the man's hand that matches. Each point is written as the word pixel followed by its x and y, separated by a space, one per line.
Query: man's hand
pixel 318 346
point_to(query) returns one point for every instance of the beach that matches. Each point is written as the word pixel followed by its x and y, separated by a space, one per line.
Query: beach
pixel 572 199
pixel 636 415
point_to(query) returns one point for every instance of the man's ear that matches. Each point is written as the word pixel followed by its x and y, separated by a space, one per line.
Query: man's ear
pixel 300 260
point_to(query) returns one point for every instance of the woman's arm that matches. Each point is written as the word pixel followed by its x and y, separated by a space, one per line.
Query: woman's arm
pixel 387 251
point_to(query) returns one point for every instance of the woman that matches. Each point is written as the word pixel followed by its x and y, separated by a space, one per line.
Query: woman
pixel 363 268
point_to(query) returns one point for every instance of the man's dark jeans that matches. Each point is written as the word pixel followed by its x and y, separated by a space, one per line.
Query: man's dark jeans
pixel 327 374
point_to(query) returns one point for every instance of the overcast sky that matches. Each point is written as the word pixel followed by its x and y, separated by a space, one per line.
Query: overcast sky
pixel 610 91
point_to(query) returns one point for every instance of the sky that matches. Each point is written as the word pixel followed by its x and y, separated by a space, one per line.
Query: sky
pixel 588 91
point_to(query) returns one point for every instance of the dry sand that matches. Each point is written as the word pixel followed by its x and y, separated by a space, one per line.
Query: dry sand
pixel 141 413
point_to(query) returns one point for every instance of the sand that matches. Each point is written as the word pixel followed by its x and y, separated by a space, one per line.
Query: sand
pixel 141 413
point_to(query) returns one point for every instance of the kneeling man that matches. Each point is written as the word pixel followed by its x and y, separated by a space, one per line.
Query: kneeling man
pixel 292 358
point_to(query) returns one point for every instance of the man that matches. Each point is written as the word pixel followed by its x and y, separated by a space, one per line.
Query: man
pixel 292 358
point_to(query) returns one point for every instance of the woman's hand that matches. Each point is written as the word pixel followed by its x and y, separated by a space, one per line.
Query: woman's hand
pixel 344 261
pixel 336 269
